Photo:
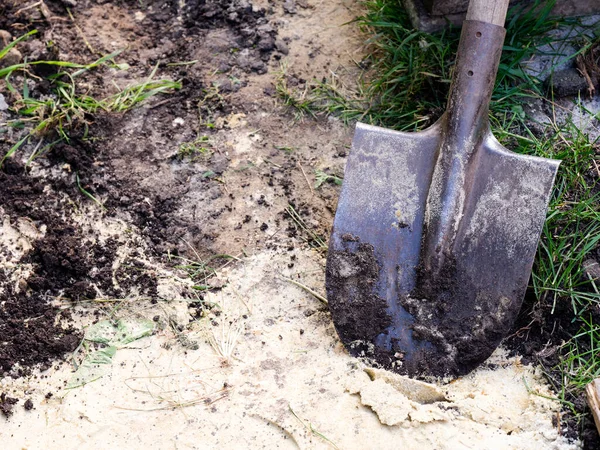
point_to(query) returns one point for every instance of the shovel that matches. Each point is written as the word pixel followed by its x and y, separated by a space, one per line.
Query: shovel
pixel 436 231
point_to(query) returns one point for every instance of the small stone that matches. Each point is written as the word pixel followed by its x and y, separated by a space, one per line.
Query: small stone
pixel 35 50
pixel 216 282
pixel 270 91
pixel 266 28
pixel 3 104
pixel 225 85
pixel 224 66
pixel 289 6
pixel 281 47
pixel 5 37
pixel 22 285
pixel 266 43
pixel 591 268
pixel 6 404
pixel 565 83
pixel 259 67
pixel 11 58
pixel 28 405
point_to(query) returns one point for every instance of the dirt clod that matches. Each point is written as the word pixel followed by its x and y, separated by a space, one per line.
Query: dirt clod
pixel 360 314
pixel 6 404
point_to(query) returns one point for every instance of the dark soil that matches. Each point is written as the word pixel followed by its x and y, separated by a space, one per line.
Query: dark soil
pixel 449 336
pixel 537 337
pixel 69 263
pixel 360 315
pixel 28 323
pixel 66 263
pixel 6 404
pixel 28 405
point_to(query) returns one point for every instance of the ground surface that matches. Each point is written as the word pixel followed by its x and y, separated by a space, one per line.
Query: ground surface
pixel 255 361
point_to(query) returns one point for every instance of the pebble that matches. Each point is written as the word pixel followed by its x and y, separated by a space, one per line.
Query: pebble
pixel 281 46
pixel 5 37
pixel 567 82
pixel 289 6
pixel 591 268
pixel 266 43
pixel 3 104
pixel 11 58
pixel 36 50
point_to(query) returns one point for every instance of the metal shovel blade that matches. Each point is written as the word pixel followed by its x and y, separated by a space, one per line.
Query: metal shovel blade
pixel 435 232
pixel 384 303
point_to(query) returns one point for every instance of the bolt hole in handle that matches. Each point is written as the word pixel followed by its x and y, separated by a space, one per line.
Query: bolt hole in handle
pixel 487 11
pixel 466 125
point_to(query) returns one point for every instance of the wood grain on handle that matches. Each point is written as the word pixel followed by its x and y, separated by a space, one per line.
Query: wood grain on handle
pixel 593 399
pixel 489 11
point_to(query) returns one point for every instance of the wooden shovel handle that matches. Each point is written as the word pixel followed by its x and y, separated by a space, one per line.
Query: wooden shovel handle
pixel 489 11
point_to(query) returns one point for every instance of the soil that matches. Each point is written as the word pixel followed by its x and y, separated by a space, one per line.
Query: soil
pixel 6 404
pixel 351 275
pixel 538 334
pixel 283 373
pixel 449 347
pixel 133 167
pixel 66 262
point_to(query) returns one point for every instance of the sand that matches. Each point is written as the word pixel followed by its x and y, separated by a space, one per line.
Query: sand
pixel 269 372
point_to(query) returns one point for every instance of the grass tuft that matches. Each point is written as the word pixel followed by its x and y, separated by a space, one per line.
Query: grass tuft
pixel 317 98
pixel 53 118
pixel 199 148
pixel 324 177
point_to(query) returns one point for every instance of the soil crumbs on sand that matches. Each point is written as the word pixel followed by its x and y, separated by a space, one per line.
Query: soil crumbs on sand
pixel 63 258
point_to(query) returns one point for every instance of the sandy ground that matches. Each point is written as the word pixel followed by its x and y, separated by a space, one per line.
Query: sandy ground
pixel 270 372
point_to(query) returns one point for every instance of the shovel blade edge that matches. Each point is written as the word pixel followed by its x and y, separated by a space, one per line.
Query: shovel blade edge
pixel 384 305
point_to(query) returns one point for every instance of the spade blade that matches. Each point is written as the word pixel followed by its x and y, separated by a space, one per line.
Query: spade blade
pixel 386 303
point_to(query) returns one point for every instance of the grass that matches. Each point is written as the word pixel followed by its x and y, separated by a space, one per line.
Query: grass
pixel 224 340
pixel 409 71
pixel 317 98
pixel 580 362
pixel 199 148
pixel 322 177
pixel 87 193
pixel 211 101
pixel 405 87
pixel 313 239
pixel 53 118
pixel 306 288
pixel 201 270
pixel 315 432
